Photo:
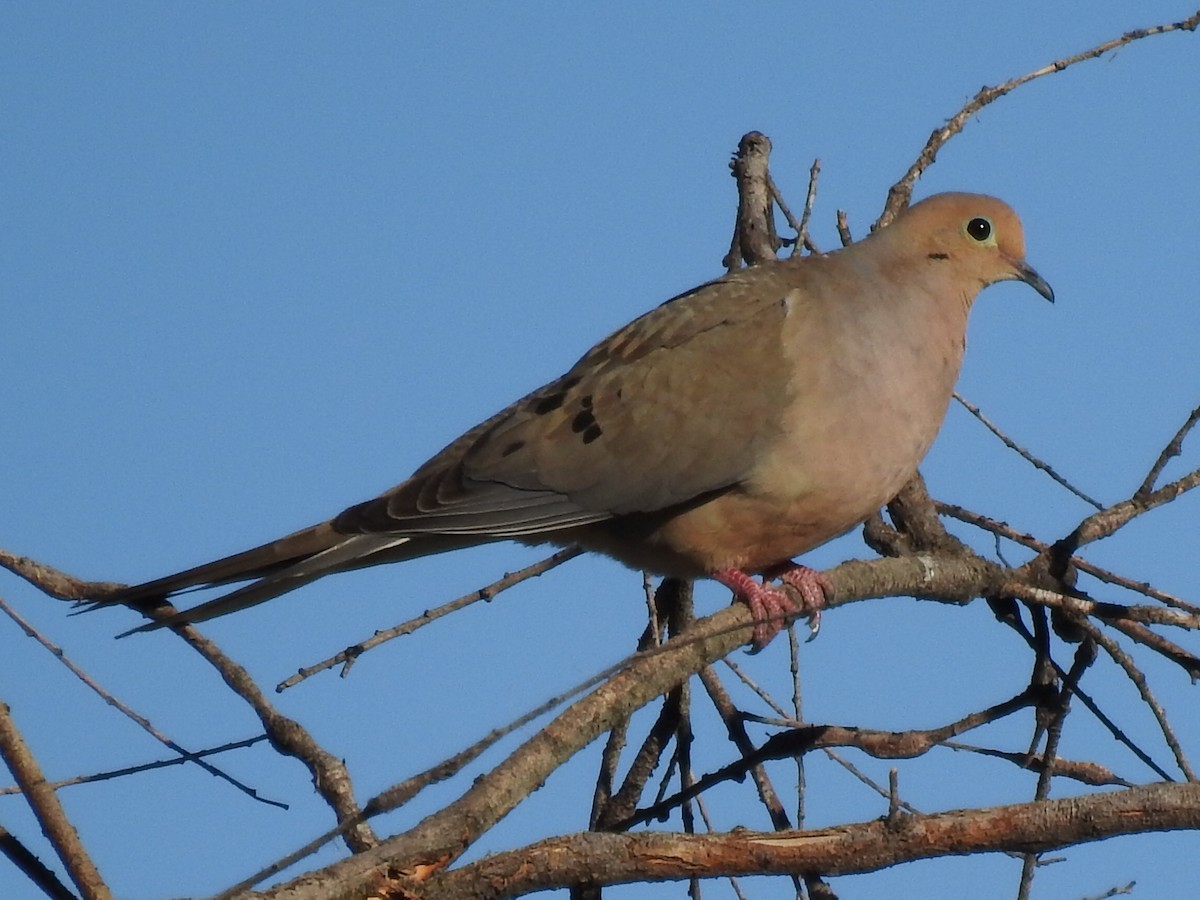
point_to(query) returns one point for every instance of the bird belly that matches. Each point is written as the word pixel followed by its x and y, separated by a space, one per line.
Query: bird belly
pixel 744 531
pixel 733 530
pixel 817 487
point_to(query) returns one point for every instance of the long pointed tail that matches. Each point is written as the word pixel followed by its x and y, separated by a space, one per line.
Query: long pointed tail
pixel 278 567
pixel 258 562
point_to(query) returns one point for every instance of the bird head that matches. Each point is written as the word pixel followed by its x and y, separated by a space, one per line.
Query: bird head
pixel 979 238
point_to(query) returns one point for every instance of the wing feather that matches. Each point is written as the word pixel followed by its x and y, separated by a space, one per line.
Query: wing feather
pixel 631 428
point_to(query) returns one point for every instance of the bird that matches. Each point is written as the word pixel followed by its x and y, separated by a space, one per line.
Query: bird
pixel 723 433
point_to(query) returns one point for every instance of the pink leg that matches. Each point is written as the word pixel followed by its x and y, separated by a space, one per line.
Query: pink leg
pixel 815 587
pixel 773 608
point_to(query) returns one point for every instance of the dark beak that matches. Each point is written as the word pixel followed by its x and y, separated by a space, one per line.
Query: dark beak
pixel 1023 271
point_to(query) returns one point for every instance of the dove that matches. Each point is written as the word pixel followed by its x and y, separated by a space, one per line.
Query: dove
pixel 722 434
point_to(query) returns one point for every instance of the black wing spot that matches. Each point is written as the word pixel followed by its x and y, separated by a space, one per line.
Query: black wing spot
pixel 512 448
pixel 592 432
pixel 939 255
pixel 583 421
pixel 553 401
pixel 586 402
pixel 549 403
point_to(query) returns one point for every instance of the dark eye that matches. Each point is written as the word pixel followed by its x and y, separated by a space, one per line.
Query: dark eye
pixel 980 229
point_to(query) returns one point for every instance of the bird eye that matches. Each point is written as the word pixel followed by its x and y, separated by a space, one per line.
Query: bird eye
pixel 980 229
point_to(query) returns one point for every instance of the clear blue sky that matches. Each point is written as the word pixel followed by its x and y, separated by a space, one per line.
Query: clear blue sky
pixel 261 260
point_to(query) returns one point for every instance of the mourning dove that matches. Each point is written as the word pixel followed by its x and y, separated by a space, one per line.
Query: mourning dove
pixel 736 426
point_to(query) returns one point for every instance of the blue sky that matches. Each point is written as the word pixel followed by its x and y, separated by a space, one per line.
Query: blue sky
pixel 262 260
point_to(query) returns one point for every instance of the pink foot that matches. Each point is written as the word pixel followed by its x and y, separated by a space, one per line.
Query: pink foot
pixel 815 587
pixel 773 608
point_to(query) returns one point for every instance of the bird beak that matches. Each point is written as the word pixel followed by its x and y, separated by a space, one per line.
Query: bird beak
pixel 1023 271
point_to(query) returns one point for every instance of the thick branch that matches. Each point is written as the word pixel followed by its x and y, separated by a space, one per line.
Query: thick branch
pixel 443 836
pixel 843 850
pixel 754 237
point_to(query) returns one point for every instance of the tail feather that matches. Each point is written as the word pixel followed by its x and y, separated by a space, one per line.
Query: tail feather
pixel 257 562
pixel 282 566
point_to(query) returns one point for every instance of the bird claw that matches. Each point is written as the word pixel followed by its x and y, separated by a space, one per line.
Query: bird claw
pixel 814 626
pixel 771 607
pixel 816 589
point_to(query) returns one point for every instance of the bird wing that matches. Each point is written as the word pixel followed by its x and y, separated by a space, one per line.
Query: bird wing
pixel 670 408
pixel 673 406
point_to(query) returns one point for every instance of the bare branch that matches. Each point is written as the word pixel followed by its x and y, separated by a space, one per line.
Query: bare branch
pixel 842 850
pixel 1088 773
pixel 1107 521
pixel 735 727
pixel 1174 448
pixel 797 741
pixel 1135 675
pixel 1023 453
pixel 330 777
pixel 1114 892
pixel 901 191
pixel 49 812
pixel 754 237
pixel 192 756
pixel 350 655
pixel 53 582
pixel 32 868
pixel 185 755
pixel 1002 529
pixel 802 239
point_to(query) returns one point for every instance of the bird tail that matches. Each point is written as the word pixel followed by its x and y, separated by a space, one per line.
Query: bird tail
pixel 276 568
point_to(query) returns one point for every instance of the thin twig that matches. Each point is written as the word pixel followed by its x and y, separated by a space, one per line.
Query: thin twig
pixel 880 744
pixel 142 722
pixel 901 191
pixel 735 728
pixel 1094 708
pixel 644 763
pixel 1135 675
pixel 754 686
pixel 1085 655
pixel 192 756
pixel 329 774
pixel 1088 773
pixel 1182 657
pixel 27 863
pixel 1003 529
pixel 798 715
pixel 843 228
pixel 1114 613
pixel 1106 522
pixel 54 582
pixel 802 237
pixel 1023 453
pixel 1114 892
pixel 1174 448
pixel 349 655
